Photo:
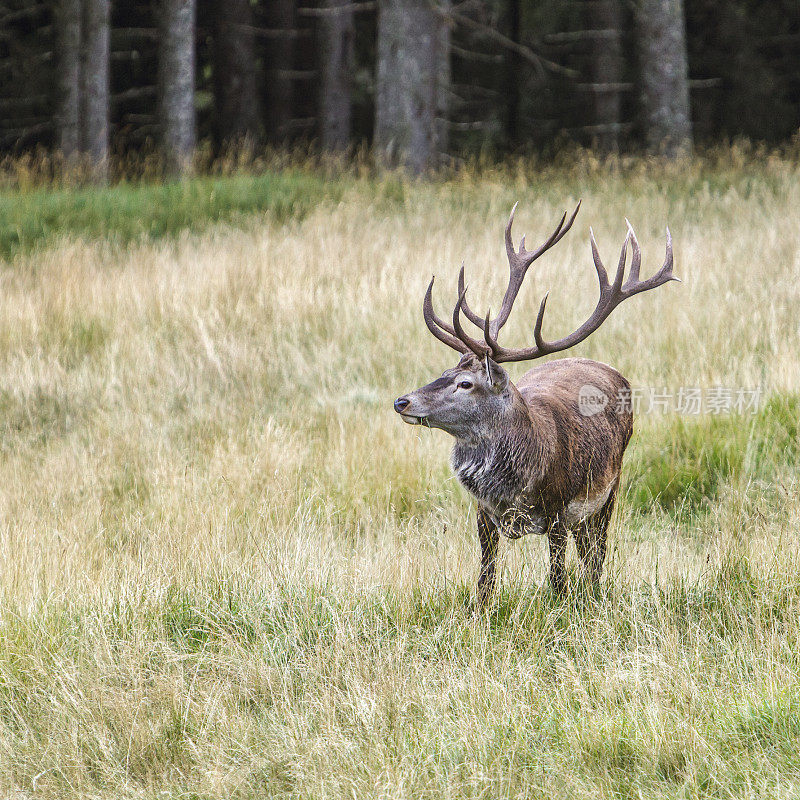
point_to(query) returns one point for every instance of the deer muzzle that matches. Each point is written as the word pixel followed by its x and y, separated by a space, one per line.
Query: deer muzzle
pixel 401 406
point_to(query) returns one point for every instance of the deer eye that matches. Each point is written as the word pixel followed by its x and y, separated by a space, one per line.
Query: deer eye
pixel 465 385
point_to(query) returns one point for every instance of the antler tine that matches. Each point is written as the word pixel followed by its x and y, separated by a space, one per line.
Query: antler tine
pixel 623 257
pixel 602 275
pixel 440 329
pixel 487 335
pixel 664 275
pixel 473 344
pixel 559 233
pixel 474 318
pixel 636 258
pixel 519 261
pixel 537 328
pixel 522 258
pixel 509 241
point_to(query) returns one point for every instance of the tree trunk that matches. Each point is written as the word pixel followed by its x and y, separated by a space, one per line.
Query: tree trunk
pixel 235 95
pixel 278 63
pixel 407 78
pixel 94 85
pixel 441 132
pixel 68 71
pixel 337 62
pixel 664 76
pixel 176 82
pixel 512 75
pixel 607 69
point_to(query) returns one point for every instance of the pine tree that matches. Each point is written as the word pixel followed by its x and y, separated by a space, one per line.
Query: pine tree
pixel 236 102
pixel 176 75
pixel 337 40
pixel 664 76
pixel 408 76
pixel 94 85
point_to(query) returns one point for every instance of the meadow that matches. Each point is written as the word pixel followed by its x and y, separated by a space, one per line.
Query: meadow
pixel 228 570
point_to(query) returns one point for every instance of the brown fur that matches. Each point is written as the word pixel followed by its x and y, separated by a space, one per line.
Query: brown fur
pixel 533 461
pixel 583 454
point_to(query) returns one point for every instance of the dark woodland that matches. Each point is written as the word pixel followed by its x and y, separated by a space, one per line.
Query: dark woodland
pixel 419 82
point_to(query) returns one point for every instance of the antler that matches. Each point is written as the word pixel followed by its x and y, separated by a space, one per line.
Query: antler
pixel 440 329
pixel 518 263
pixel 452 335
pixel 611 295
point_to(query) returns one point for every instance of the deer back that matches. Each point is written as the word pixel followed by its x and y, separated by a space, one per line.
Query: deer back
pixel 581 418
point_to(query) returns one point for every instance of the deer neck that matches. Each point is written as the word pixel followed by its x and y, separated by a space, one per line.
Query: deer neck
pixel 494 464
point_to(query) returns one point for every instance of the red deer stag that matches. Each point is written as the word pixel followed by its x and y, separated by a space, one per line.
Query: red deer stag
pixel 543 456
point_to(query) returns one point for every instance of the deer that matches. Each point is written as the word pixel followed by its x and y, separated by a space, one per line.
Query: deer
pixel 544 455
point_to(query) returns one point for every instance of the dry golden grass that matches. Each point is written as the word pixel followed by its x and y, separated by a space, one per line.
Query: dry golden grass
pixel 228 570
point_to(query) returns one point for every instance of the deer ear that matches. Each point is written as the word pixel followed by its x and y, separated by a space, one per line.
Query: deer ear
pixel 496 375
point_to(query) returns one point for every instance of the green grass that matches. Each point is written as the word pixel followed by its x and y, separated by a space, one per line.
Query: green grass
pixel 681 464
pixel 228 571
pixel 713 740
pixel 142 208
pixel 129 212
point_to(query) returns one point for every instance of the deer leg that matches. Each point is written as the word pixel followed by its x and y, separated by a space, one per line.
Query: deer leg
pixel 557 542
pixel 591 539
pixel 489 536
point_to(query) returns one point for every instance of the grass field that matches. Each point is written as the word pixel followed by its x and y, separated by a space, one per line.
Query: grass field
pixel 227 570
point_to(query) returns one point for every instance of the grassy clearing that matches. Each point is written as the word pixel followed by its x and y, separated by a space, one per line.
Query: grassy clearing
pixel 685 464
pixel 226 569
pixel 129 212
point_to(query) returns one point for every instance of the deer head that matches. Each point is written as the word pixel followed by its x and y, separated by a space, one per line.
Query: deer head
pixel 477 392
pixel 467 399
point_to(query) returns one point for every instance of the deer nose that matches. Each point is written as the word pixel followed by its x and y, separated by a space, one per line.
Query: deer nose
pixel 401 404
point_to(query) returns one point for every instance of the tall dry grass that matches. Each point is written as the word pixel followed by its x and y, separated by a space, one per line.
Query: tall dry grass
pixel 227 570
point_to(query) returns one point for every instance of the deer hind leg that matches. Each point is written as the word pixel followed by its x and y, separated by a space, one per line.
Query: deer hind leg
pixel 591 537
pixel 489 536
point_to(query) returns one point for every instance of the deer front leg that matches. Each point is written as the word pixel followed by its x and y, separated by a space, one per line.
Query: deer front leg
pixel 557 541
pixel 489 536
